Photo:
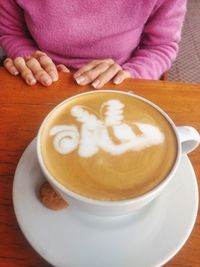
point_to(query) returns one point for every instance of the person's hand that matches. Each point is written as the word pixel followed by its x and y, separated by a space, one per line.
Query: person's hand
pixel 35 68
pixel 99 72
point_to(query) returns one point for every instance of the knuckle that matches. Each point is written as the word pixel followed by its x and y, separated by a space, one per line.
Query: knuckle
pixel 50 69
pixel 17 59
pixel 89 76
pixel 45 60
pixel 94 62
pixel 38 53
pixel 103 67
pixel 30 61
pixel 62 67
pixel 7 59
pixel 110 61
pixel 117 67
pixel 33 64
pixel 40 73
pixel 7 62
pixel 25 73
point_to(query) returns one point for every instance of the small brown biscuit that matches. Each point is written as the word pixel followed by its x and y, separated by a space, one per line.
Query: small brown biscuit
pixel 50 198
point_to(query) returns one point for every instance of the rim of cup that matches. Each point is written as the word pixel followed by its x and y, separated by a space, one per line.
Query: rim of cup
pixel 88 200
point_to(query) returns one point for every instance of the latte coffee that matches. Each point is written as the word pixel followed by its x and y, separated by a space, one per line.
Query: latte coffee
pixel 108 145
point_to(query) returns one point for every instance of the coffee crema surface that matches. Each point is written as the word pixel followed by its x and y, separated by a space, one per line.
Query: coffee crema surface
pixel 108 146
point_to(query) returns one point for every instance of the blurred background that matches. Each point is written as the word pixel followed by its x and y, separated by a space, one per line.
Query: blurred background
pixel 186 68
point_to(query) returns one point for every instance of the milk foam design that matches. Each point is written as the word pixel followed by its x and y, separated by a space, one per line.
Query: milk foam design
pixel 95 135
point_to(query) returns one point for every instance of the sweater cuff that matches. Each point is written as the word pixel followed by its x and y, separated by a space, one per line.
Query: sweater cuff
pixel 140 71
pixel 20 47
pixel 21 52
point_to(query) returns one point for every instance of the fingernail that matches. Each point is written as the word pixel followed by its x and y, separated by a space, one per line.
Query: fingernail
pixel 65 70
pixel 80 79
pixel 96 83
pixel 117 81
pixel 31 81
pixel 14 71
pixel 53 76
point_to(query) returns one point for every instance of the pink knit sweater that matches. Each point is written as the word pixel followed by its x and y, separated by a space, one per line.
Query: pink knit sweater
pixel 141 35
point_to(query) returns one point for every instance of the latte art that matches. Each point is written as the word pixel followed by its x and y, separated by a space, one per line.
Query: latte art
pixel 94 134
pixel 107 145
pixel 66 138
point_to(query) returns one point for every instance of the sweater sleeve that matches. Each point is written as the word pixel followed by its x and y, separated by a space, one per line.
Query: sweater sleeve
pixel 15 38
pixel 159 42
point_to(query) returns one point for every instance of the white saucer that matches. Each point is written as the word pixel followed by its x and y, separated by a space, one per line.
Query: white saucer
pixel 72 238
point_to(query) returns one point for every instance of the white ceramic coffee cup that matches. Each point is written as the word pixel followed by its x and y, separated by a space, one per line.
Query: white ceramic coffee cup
pixel 187 139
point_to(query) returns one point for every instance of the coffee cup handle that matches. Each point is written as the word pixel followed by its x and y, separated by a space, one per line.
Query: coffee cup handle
pixel 189 138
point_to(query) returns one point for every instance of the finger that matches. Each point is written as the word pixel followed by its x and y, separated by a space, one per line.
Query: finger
pixel 85 68
pixel 9 65
pixel 63 68
pixel 91 75
pixel 79 75
pixel 47 64
pixel 106 76
pixel 38 54
pixel 90 66
pixel 121 76
pixel 40 74
pixel 25 72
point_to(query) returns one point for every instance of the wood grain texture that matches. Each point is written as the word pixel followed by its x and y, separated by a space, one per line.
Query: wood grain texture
pixel 22 109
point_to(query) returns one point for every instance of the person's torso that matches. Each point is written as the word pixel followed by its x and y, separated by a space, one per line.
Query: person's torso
pixel 77 31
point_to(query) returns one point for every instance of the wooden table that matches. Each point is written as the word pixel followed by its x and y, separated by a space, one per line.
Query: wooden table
pixel 22 109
